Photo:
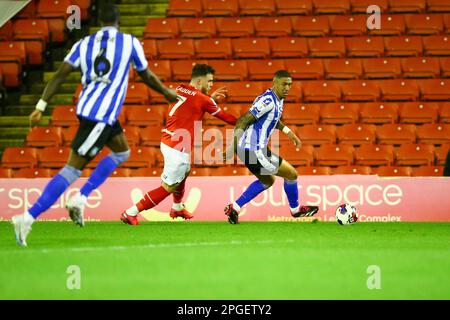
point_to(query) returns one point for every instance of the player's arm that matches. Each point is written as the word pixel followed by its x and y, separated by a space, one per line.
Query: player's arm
pixel 151 80
pixel 224 116
pixel 50 90
pixel 241 124
pixel 285 129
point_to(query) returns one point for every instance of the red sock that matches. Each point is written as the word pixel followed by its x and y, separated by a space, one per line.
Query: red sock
pixel 152 198
pixel 179 192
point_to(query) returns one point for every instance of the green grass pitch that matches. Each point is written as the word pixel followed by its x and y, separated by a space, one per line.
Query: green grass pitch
pixel 215 260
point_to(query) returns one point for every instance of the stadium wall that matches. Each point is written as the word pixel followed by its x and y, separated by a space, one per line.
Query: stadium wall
pixel 377 199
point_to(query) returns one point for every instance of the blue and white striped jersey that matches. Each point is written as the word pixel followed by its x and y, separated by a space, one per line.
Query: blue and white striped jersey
pixel 104 59
pixel 267 110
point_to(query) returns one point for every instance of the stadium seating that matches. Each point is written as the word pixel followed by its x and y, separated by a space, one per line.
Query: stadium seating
pixel 424 24
pixel 68 134
pixel 229 70
pixel 244 91
pixel 197 27
pixel 53 157
pixel 182 69
pixel 251 48
pixel 64 116
pixel 288 47
pixel 263 69
pixel 331 6
pixel 235 27
pixel 393 171
pixel 382 68
pixel 257 7
pixel 321 91
pixel 334 155
pixel 418 112
pixel 15 157
pixel 353 170
pixel 182 8
pixel 420 67
pixel 327 47
pixel 441 154
pixel 399 90
pixel 310 26
pixel 351 25
pixel 146 172
pixel 414 155
pixel 150 136
pixel 132 134
pixel 374 155
pixel 150 49
pixel 161 68
pixel 213 49
pixel 438 6
pixel 364 47
pixel 305 68
pixel 273 26
pixel 145 115
pixel 396 134
pixel 444 112
pixel 360 6
pixel 317 134
pixel 378 112
pixel 428 171
pixel 5 173
pixel 294 7
pixel 220 8
pixel 356 134
pixel 140 157
pixel 343 69
pixel 121 173
pixel 300 114
pixel 433 134
pixel 303 156
pixel 438 45
pixel 176 48
pixel 161 28
pixel 402 6
pixel 137 93
pixel 435 89
pixel 392 25
pixel 30 173
pixel 313 171
pixel 44 137
pixel 338 113
pixel 403 46
pixel 360 90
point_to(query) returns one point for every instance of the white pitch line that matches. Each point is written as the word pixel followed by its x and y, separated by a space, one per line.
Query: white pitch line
pixel 152 246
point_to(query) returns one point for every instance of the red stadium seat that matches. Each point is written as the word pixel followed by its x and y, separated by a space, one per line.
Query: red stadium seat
pixel 331 6
pixel 294 95
pixel 235 27
pixel 13 51
pixel 140 157
pixel 256 48
pixel 374 155
pixel 444 112
pixel 317 134
pixel 158 98
pixel 197 27
pixel 263 69
pixel 293 7
pixel 121 173
pixel 338 113
pixel 447 23
pixel 161 68
pixel 220 8
pixel 360 90
pixel 300 114
pixel 321 91
pixel 382 68
pixel 30 173
pixel 132 134
pixel 53 157
pixel 433 133
pixel 273 26
pixel 213 48
pixel 229 70
pixel 201 172
pixel 137 93
pixel 436 45
pixel 244 91
pixel 150 49
pixel 303 156
pixel 305 68
pixel 151 136
pixel 397 6
pixel 420 67
pixel 428 171
pixel 313 171
pixel 441 154
pixel 6 31
pixel 388 171
pixel 396 134
pixel 68 134
pixel 351 25
pixel 438 6
pixel 44 137
pixel 161 28
pixel 403 46
pixel 360 6
pixel 327 47
pixel 445 67
pixel 146 172
pixel 256 7
pixel 356 134
pixel 343 69
pixel 5 173
pixel 176 48
pixel 399 90
pixel 414 155
pixel 364 46
pixel 11 72
pixel 334 155
pixel 310 26
pixel 378 112
pixel 391 25
pixel 29 11
pixel 14 157
pixel 288 47
pixel 53 8
pixel 435 89
pixel 64 116
pixel 182 69
pixel 230 171
pixel 183 8
pixel 84 6
pixel 418 112
pixel 424 24
pixel 353 170
pixel 145 115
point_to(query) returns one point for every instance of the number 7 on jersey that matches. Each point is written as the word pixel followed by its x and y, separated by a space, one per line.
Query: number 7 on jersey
pixel 177 105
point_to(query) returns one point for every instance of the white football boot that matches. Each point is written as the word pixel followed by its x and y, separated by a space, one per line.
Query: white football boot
pixel 75 206
pixel 21 229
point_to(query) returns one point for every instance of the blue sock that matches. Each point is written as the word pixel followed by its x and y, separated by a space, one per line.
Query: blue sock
pixel 291 190
pixel 54 189
pixel 252 191
pixel 100 174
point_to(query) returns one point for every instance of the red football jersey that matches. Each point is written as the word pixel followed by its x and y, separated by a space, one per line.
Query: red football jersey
pixel 185 116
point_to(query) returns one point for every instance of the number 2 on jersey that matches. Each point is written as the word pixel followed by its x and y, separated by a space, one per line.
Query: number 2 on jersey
pixel 177 105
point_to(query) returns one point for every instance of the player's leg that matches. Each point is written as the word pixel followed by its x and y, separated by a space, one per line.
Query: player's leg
pixel 289 174
pixel 178 208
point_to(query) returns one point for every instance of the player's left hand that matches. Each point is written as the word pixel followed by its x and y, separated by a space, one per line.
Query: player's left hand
pixel 295 139
pixel 219 94
pixel 171 95
pixel 35 117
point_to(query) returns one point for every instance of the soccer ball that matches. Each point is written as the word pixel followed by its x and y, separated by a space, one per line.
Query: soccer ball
pixel 346 214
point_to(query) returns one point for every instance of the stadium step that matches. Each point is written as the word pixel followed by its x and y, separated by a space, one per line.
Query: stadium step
pixel 14 133
pixel 32 99
pixel 143 9
pixel 74 77
pixel 4 143
pixel 25 110
pixel 142 1
pixel 136 21
pixel 38 88
pixel 20 121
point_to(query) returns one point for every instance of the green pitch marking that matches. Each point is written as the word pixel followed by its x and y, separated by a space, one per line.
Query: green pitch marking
pixel 215 260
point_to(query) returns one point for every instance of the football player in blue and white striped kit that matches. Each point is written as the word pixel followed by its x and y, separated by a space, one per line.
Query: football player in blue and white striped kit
pixel 104 59
pixel 251 137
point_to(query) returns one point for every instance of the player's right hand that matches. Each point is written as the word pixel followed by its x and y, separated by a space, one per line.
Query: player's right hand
pixel 35 117
pixel 171 95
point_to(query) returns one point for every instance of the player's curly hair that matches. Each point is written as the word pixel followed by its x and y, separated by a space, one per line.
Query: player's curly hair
pixel 200 70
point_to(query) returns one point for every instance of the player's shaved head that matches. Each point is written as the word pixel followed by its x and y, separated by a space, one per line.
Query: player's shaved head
pixel 282 74
pixel 109 14
pixel 201 70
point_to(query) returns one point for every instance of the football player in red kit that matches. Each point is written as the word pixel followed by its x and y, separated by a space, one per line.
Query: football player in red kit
pixel 177 141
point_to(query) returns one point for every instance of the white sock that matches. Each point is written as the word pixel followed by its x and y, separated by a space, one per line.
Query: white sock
pixel 177 206
pixel 28 218
pixel 133 211
pixel 236 206
pixel 82 199
pixel 295 210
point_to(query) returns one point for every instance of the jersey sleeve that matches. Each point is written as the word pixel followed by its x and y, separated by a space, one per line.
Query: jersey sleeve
pixel 73 58
pixel 210 106
pixel 261 106
pixel 138 57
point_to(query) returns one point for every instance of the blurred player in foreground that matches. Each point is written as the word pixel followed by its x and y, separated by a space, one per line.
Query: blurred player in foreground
pixel 251 137
pixel 104 59
pixel 191 107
